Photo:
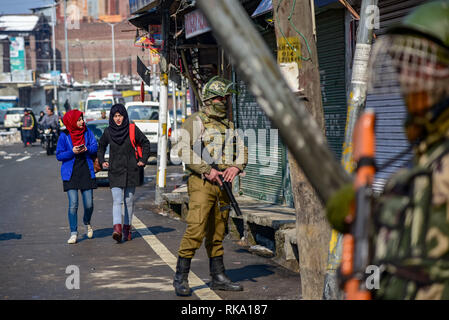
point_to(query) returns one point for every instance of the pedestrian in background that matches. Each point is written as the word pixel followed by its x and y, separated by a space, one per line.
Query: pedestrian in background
pixel 76 146
pixel 124 165
pixel 28 128
pixel 41 115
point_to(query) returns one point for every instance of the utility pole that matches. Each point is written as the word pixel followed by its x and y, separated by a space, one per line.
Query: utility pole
pixel 66 40
pixel 155 83
pixel 297 127
pixel 295 33
pixel 163 99
pixel 113 51
pixel 66 49
pixel 356 103
pixel 184 99
pixel 175 109
pixel 53 24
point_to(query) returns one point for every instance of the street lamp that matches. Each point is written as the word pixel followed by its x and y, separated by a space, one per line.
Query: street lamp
pixel 112 25
pixel 85 71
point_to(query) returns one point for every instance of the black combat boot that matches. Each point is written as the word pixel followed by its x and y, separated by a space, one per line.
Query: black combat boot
pixel 220 280
pixel 181 282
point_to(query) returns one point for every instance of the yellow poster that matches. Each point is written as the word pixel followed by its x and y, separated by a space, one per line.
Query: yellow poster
pixel 289 50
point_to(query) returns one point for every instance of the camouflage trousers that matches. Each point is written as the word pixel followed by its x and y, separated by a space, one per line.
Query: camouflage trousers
pixel 206 218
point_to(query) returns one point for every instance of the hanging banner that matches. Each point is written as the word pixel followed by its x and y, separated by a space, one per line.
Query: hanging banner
pixel 143 72
pixel 195 24
pixel 17 53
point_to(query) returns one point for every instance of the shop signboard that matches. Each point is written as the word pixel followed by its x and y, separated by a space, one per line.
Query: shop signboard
pixel 17 53
pixel 195 24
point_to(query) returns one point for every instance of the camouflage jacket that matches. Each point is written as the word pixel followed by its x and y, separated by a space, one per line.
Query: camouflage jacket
pixel 411 228
pixel 220 140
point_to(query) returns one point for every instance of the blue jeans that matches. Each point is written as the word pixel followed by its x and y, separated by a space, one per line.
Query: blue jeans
pixel 122 196
pixel 88 203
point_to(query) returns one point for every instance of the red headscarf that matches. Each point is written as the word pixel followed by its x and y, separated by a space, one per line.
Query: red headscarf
pixel 76 134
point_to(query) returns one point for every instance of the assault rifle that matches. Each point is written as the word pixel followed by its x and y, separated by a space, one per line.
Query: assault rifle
pixel 356 253
pixel 227 186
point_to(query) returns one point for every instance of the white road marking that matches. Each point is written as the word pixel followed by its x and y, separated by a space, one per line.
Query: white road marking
pixel 24 158
pixel 198 286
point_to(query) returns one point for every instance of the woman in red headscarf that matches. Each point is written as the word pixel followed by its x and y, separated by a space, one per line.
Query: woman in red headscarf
pixel 76 147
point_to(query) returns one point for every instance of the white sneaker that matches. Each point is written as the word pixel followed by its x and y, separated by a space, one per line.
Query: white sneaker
pixel 72 239
pixel 89 231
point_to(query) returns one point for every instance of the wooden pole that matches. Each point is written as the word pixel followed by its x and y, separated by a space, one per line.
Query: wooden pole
pixel 294 24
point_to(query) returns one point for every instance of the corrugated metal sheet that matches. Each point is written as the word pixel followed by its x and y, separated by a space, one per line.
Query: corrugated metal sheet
pixel 249 115
pixel 392 11
pixel 331 57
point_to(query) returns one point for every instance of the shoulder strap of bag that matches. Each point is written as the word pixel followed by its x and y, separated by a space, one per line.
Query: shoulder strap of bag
pixel 132 137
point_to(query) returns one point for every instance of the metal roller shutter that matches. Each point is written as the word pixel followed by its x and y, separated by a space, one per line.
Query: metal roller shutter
pixel 331 56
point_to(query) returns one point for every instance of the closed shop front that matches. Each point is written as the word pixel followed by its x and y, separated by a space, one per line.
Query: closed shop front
pixel 331 57
pixel 267 176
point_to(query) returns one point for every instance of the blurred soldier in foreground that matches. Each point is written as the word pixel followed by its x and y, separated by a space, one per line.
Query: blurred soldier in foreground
pixel 409 229
pixel 206 133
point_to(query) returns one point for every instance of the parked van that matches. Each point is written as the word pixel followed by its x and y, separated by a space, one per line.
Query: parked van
pixel 100 100
pixel 13 118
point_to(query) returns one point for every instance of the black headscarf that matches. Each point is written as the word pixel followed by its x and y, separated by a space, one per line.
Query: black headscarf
pixel 118 133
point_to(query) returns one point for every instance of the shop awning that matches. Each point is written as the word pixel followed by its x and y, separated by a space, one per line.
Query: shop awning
pixel 140 6
pixel 142 21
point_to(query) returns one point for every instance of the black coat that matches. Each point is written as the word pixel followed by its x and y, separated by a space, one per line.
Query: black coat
pixel 123 169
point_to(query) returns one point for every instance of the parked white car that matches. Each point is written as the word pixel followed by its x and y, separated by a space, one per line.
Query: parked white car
pixel 13 117
pixel 146 117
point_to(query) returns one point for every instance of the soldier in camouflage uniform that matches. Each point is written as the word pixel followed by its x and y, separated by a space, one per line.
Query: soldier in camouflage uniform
pixel 410 230
pixel 208 203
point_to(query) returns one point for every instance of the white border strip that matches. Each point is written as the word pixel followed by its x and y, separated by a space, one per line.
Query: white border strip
pixel 198 286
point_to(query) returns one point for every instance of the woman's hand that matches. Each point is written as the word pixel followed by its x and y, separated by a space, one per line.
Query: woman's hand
pixel 77 149
pixel 105 165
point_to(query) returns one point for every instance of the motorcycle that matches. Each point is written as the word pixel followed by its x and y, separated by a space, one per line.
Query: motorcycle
pixel 49 140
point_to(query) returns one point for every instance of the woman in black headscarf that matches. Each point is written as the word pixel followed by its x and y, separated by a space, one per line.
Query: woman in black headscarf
pixel 124 165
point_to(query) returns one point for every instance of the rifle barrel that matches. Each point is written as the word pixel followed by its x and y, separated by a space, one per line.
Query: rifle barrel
pixel 234 204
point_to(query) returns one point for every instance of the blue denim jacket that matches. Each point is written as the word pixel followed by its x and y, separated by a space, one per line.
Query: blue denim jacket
pixel 64 153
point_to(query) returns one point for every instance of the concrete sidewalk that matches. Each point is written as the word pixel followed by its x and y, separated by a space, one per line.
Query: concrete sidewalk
pixel 265 229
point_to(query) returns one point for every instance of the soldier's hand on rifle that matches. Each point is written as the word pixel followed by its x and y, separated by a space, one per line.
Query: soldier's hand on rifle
pixel 213 176
pixel 230 173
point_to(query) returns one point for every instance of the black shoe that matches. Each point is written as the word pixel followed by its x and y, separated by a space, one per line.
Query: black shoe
pixel 181 282
pixel 220 280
